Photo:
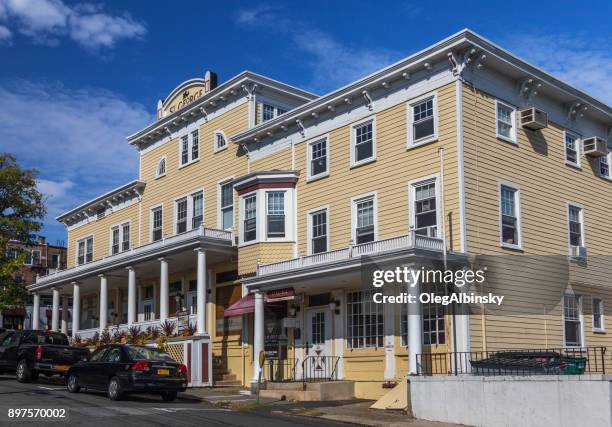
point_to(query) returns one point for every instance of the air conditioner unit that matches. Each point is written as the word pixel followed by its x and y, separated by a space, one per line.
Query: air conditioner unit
pixel 579 252
pixel 595 146
pixel 534 119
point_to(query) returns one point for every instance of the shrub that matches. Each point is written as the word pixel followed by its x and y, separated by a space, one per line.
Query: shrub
pixel 167 328
pixel 105 337
pixel 134 334
pixel 190 330
pixel 152 333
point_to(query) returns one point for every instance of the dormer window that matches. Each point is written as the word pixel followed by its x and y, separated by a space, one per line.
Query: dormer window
pixel 161 168
pixel 269 111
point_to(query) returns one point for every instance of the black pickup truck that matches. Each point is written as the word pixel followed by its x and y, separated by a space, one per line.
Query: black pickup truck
pixel 29 353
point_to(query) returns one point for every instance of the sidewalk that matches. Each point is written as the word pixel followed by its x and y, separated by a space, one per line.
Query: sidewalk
pixel 354 411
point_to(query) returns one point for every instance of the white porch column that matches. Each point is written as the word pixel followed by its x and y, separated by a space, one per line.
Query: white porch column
pixel 76 308
pixel 64 327
pixel 103 302
pixel 415 329
pixel 36 311
pixel 201 292
pixel 131 295
pixel 258 338
pixel 55 312
pixel 389 325
pixel 163 289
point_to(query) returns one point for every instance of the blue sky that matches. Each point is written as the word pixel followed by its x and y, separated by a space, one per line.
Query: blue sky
pixel 77 77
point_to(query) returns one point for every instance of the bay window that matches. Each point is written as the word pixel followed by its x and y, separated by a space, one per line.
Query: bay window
pixel 250 218
pixel 276 214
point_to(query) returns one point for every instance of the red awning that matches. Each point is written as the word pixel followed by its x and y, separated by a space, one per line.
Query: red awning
pixel 280 295
pixel 244 305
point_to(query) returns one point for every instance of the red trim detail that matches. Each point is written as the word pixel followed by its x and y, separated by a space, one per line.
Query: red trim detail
pixel 189 378
pixel 204 356
pixel 266 185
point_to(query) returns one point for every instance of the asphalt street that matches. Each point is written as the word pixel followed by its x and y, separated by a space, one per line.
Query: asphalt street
pixel 95 409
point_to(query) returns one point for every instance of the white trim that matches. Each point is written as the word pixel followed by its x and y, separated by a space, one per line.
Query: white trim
pixel 519 222
pixel 513 133
pixel 354 200
pixel 582 227
pixel 288 212
pixel 371 118
pixel 581 318
pixel 601 313
pixel 461 163
pixel 578 144
pixel 189 197
pixel 165 160
pixel 609 158
pixel 120 226
pixel 309 176
pixel 188 132
pixel 76 252
pixel 220 183
pixel 215 148
pixel 241 212
pixel 411 142
pixel 151 209
pixel 309 214
pixel 411 199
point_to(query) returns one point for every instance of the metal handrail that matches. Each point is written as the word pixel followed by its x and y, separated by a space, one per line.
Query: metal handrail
pixel 328 370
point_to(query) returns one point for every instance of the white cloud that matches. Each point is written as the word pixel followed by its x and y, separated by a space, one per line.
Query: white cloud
pixel 582 61
pixel 5 34
pixel 47 21
pixel 332 63
pixel 75 138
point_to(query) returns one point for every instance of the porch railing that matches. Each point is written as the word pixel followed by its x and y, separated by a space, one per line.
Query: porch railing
pixel 412 240
pixel 320 368
pixel 211 233
pixel 521 362
pixel 88 333
pixel 281 370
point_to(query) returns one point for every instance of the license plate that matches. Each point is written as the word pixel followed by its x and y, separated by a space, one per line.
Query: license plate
pixel 62 368
pixel 163 372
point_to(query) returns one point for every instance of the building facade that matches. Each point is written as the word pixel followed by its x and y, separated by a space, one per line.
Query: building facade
pixel 259 206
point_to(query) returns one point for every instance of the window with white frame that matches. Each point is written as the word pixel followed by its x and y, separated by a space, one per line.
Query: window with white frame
pixel 434 324
pixel 226 205
pixel 181 215
pixel 422 121
pixel 598 314
pixel 572 320
pixel 156 223
pixel 120 238
pixel 275 214
pixel 115 231
pixel 220 141
pixel 424 205
pixel 364 320
pixel 363 142
pixel 189 147
pixel 604 165
pixel 505 117
pixel 250 218
pixel 269 111
pixel 572 148
pixel 575 225
pixel 189 212
pixel 197 209
pixel 161 168
pixel 125 236
pixel 364 220
pixel 85 250
pixel 317 223
pixel 318 160
pixel 509 216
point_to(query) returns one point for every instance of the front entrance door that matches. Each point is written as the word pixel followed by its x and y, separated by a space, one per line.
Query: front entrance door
pixel 318 363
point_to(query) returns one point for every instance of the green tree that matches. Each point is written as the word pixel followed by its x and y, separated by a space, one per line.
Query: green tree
pixel 22 208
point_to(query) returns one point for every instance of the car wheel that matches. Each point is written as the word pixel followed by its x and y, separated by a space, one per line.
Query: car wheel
pixel 72 384
pixel 114 389
pixel 23 372
pixel 169 396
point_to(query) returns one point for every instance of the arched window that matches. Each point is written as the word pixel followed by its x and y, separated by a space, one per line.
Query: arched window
pixel 161 168
pixel 220 141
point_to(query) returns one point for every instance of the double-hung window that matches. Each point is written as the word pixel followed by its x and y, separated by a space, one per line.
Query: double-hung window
pixel 318 158
pixel 604 165
pixel 505 118
pixel 184 149
pixel 422 121
pixel 425 208
pixel 115 246
pixel 125 236
pixel 120 238
pixel 572 320
pixel 195 145
pixel 575 225
pixel 276 214
pixel 197 209
pixel 250 218
pixel 598 315
pixel 572 148
pixel 226 205
pixel 364 212
pixel 365 323
pixel 190 147
pixel 181 215
pixel 156 224
pixel 509 216
pixel 85 250
pixel 363 143
pixel 318 231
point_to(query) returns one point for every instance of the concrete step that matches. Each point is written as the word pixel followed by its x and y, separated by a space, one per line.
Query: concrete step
pixel 331 390
pixel 228 383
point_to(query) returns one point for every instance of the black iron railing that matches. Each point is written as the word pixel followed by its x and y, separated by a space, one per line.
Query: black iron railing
pixel 320 368
pixel 280 370
pixel 550 361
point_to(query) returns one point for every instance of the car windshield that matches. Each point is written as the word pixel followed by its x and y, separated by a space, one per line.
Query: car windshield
pixel 148 353
pixel 46 338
